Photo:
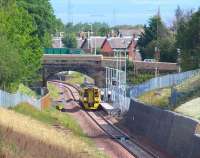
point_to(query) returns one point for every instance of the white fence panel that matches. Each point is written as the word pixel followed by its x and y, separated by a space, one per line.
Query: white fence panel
pixel 121 102
pixel 11 100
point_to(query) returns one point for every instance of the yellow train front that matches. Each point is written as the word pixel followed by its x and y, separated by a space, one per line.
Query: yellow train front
pixel 90 97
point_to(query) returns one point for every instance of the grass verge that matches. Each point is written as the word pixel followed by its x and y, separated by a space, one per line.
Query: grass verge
pixel 35 136
pixel 198 129
pixel 8 150
pixel 157 98
pixel 186 91
pixel 26 90
pixel 51 117
pixel 53 91
pixel 188 101
pixel 191 108
pixel 78 78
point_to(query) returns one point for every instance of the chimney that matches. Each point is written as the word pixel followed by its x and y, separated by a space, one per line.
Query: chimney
pixel 134 36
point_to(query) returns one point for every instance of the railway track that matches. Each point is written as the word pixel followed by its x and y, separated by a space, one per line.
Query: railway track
pixel 127 142
pixel 120 137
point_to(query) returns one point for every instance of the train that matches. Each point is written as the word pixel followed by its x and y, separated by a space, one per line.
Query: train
pixel 63 51
pixel 90 97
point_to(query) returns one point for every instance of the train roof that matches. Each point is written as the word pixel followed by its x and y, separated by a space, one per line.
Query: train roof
pixel 87 85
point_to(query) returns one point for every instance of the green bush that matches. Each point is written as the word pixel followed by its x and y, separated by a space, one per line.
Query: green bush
pixel 140 78
pixel 26 90
pixel 53 90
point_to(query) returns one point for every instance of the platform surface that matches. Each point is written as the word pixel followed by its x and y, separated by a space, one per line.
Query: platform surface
pixel 107 106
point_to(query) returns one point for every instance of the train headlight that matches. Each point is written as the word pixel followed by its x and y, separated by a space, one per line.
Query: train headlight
pixel 96 99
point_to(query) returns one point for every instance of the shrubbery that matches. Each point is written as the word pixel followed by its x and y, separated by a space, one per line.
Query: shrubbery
pixel 25 28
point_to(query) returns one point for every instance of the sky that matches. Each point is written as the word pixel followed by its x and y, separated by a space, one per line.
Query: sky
pixel 119 12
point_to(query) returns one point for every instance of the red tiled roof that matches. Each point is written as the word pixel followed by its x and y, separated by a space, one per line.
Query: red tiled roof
pixel 119 43
pixel 130 32
pixel 96 40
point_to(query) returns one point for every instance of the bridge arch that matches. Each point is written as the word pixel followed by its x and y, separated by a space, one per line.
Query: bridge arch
pixel 91 70
pixel 91 65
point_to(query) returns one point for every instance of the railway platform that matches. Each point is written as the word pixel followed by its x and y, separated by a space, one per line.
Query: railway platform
pixel 109 109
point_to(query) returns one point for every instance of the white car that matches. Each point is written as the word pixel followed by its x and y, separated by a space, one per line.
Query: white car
pixel 149 60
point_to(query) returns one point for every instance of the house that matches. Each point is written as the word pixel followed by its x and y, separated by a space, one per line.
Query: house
pixel 94 42
pixel 131 32
pixel 80 42
pixel 123 44
pixel 57 40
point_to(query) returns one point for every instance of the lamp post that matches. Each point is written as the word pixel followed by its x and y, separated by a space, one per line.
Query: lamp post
pixel 157 54
pixel 90 37
pixel 125 67
pixel 95 46
pixel 179 59
pixel 116 80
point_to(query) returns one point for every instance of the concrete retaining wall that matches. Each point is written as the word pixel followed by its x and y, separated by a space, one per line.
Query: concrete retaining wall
pixel 196 147
pixel 173 132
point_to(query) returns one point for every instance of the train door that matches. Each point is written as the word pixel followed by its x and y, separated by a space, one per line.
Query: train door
pixel 90 97
pixel 96 96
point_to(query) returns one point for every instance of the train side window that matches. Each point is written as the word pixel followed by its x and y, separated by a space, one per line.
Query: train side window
pixel 96 93
pixel 86 94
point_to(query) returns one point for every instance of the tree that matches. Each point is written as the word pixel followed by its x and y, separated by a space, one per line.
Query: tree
pixel 103 31
pixel 156 34
pixel 17 33
pixel 10 64
pixel 59 26
pixel 43 17
pixel 25 28
pixel 97 28
pixel 179 17
pixel 153 31
pixel 168 51
pixel 70 40
pixel 189 42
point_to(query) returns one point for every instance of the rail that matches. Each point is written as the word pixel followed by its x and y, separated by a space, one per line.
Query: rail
pixel 127 142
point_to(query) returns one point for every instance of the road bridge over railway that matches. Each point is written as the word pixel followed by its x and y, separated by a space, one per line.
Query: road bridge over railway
pixel 92 65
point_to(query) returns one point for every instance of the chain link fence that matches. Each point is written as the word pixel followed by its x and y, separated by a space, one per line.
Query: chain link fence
pixel 161 82
pixel 11 100
pixel 119 101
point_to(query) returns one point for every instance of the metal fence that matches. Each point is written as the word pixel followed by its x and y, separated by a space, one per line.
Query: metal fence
pixel 11 100
pixel 119 101
pixel 161 82
pixel 117 98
